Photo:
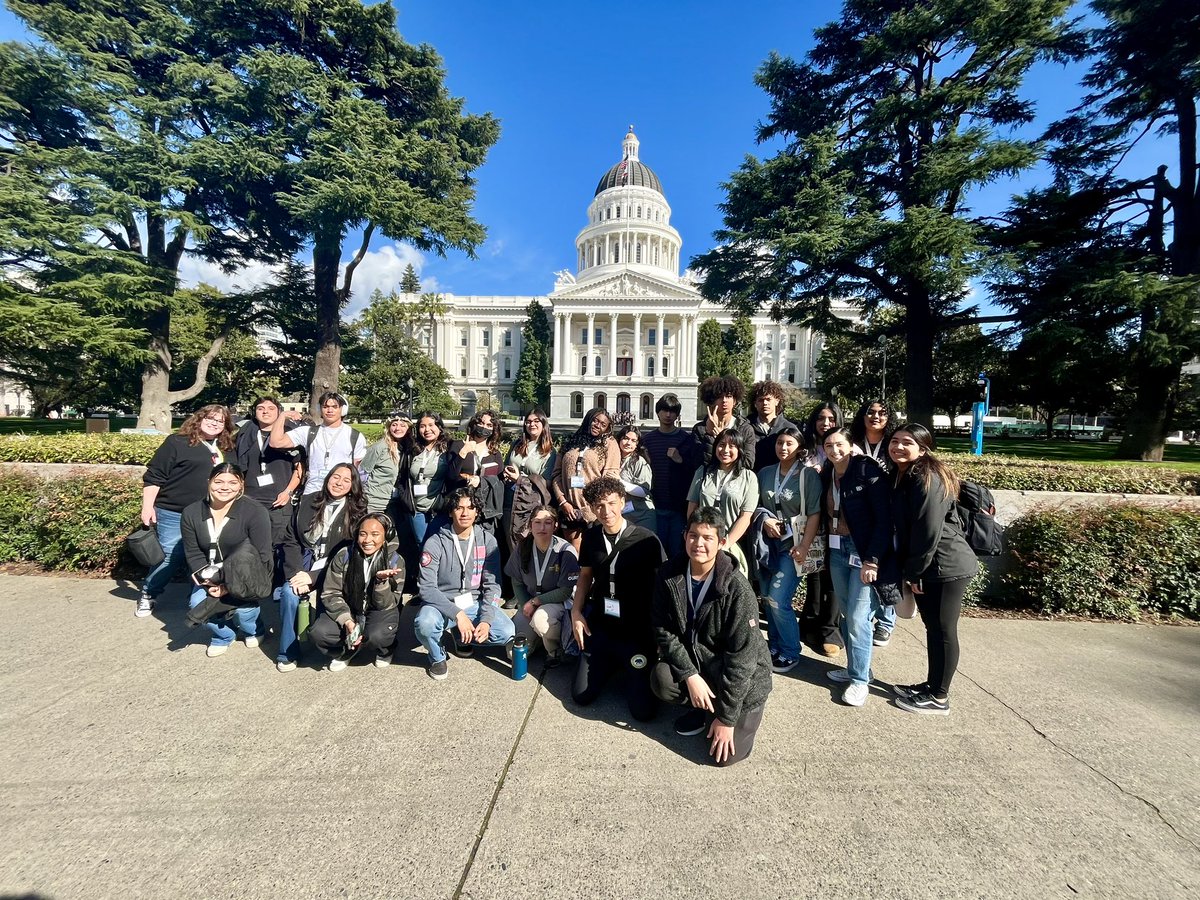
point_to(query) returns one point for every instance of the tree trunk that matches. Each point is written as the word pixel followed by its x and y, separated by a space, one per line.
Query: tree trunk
pixel 1146 428
pixel 918 363
pixel 154 408
pixel 327 251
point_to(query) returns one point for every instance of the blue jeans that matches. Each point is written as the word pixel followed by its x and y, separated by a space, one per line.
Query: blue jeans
pixel 783 630
pixel 669 525
pixel 431 624
pixel 170 538
pixel 886 617
pixel 858 602
pixel 289 604
pixel 244 620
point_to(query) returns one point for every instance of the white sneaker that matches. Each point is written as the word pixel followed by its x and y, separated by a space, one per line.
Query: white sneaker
pixel 838 676
pixel 856 694
pixel 382 662
pixel 145 606
pixel 216 650
pixel 336 665
pixel 251 641
pixel 285 666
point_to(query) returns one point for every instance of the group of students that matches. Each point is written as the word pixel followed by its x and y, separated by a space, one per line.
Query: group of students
pixel 641 554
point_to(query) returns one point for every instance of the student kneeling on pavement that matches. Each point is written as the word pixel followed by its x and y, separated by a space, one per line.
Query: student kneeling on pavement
pixel 711 651
pixel 360 596
pixel 459 593
pixel 610 615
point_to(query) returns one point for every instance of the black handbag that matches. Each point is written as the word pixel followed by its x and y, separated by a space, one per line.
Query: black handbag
pixel 143 546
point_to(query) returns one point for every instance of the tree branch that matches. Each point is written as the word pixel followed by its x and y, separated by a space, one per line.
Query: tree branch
pixel 348 276
pixel 201 379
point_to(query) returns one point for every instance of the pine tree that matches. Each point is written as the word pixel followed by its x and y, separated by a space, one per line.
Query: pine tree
pixel 531 388
pixel 409 282
pixel 710 350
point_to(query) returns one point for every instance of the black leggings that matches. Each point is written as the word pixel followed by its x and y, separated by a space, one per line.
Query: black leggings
pixel 940 607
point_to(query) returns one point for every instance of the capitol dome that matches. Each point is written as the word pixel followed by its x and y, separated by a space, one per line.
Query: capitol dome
pixel 630 171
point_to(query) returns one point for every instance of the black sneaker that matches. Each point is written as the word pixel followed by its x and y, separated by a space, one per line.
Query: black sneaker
pixel 510 603
pixel 439 671
pixel 882 636
pixel 908 691
pixel 691 722
pixel 781 664
pixel 452 645
pixel 926 704
pixel 554 660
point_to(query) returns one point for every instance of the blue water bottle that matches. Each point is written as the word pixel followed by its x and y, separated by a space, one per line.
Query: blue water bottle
pixel 520 658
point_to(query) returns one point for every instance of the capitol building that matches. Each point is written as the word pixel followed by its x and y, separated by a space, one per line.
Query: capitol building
pixel 624 325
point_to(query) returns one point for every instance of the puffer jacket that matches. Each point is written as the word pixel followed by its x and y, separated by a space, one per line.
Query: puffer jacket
pixel 338 595
pixel 726 645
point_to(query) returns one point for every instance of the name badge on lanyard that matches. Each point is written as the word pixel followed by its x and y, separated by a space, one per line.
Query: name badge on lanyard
pixel 467 557
pixel 835 539
pixel 265 478
pixel 612 606
pixel 577 478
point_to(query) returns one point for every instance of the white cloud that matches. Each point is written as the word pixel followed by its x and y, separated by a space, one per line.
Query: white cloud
pixel 383 269
pixel 194 271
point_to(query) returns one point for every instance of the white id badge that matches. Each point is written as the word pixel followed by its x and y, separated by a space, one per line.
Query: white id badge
pixel 463 601
pixel 612 607
pixel 855 561
pixel 577 481
pixel 266 479
pixel 835 542
pixel 318 565
pixel 420 490
pixel 628 508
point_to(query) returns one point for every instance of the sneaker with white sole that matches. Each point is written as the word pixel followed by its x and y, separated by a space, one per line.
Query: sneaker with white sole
pixel 882 636
pixel 439 671
pixel 216 650
pixel 856 694
pixel 337 664
pixel 145 606
pixel 691 722
pixel 285 665
pixel 838 676
pixel 925 704
pixel 781 664
pixel 910 690
pixel 250 641
pixel 382 662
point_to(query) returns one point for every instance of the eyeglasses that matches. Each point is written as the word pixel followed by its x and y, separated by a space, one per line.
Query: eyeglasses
pixel 877 413
pixel 214 420
pixel 601 422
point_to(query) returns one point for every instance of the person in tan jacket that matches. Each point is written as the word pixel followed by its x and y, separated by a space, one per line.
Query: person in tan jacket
pixel 590 453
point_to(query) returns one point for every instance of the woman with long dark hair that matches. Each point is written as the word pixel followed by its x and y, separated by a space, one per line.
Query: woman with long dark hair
pixel 936 562
pixel 421 486
pixel 855 505
pixel 872 429
pixel 532 455
pixel 819 616
pixel 176 477
pixel 544 569
pixel 637 477
pixel 588 454
pixel 476 463
pixel 322 525
pixel 727 484
pixel 381 465
pixel 212 529
pixel 821 421
pixel 360 597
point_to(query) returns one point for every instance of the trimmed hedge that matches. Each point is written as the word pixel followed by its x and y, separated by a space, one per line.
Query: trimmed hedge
pixel 115 449
pixel 1012 473
pixel 1112 561
pixel 76 523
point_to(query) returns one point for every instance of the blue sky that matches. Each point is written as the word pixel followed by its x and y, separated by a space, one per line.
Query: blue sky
pixel 566 81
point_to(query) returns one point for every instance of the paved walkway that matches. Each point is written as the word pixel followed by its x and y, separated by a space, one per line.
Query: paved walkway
pixel 134 766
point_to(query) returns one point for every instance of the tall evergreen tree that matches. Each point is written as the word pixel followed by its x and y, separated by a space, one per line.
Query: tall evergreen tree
pixel 409 282
pixel 710 350
pixel 900 110
pixel 531 388
pixel 738 343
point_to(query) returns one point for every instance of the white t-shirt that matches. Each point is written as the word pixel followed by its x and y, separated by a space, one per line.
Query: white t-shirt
pixel 330 447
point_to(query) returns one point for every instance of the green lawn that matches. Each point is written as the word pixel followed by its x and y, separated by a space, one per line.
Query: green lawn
pixel 1184 457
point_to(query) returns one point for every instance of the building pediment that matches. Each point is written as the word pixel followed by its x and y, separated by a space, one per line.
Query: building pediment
pixel 627 285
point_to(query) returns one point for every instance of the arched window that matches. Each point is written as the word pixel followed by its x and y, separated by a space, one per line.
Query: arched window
pixel 664 364
pixel 601 400
pixel 647 406
pixel 623 403
pixel 583 365
pixel 618 210
pixel 649 366
pixel 639 251
pixel 599 365
pixel 577 405
pixel 639 215
pixel 616 253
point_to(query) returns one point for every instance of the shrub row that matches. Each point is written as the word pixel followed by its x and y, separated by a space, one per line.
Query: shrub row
pixel 1112 561
pixel 76 523
pixel 118 449
pixel 1012 473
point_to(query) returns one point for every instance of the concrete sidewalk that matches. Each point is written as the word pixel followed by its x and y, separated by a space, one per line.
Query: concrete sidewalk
pixel 137 767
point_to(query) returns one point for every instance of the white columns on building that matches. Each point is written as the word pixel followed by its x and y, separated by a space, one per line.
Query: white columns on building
pixel 637 345
pixel 660 347
pixel 556 368
pixel 780 337
pixel 612 344
pixel 589 366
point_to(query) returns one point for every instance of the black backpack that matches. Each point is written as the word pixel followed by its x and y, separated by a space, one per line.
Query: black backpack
pixel 976 512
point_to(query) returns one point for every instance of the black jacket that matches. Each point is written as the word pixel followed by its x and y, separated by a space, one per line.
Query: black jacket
pixel 705 440
pixel 726 645
pixel 246 520
pixel 764 440
pixel 490 492
pixel 344 593
pixel 639 555
pixel 866 506
pixel 929 542
pixel 257 460
pixel 295 541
